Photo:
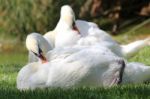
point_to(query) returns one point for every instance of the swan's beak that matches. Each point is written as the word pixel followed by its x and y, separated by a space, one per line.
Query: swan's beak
pixel 75 27
pixel 43 58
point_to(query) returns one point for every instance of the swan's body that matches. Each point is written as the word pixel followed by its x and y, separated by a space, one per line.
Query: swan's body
pixel 68 67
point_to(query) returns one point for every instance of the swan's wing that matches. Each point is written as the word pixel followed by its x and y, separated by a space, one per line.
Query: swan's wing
pixel 28 77
pixel 90 29
pixel 113 75
pixel 84 26
pixel 39 75
pixel 92 34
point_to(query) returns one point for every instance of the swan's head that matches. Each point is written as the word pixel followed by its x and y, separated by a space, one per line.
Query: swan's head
pixel 67 14
pixel 33 45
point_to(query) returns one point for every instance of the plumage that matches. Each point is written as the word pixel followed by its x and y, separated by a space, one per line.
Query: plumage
pixel 80 66
pixel 73 66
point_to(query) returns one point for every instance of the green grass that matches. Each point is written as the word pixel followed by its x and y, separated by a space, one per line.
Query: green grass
pixel 143 56
pixel 12 62
pixel 124 92
pixel 13 58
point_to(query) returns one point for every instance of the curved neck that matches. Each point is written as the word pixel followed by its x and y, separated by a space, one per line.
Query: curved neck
pixel 63 25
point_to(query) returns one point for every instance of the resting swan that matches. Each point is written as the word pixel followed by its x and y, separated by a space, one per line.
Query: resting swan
pixel 71 67
pixel 88 33
pixel 58 58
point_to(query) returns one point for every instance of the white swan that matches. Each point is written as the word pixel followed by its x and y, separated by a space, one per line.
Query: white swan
pixel 78 66
pixel 68 67
pixel 34 43
pixel 89 34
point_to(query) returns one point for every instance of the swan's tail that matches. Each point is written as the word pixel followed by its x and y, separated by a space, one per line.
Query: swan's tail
pixel 132 48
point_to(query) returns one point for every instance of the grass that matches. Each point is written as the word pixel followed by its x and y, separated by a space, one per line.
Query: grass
pixel 124 92
pixel 11 63
pixel 143 56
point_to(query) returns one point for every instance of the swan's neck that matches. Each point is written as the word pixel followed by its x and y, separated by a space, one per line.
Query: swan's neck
pixel 64 24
